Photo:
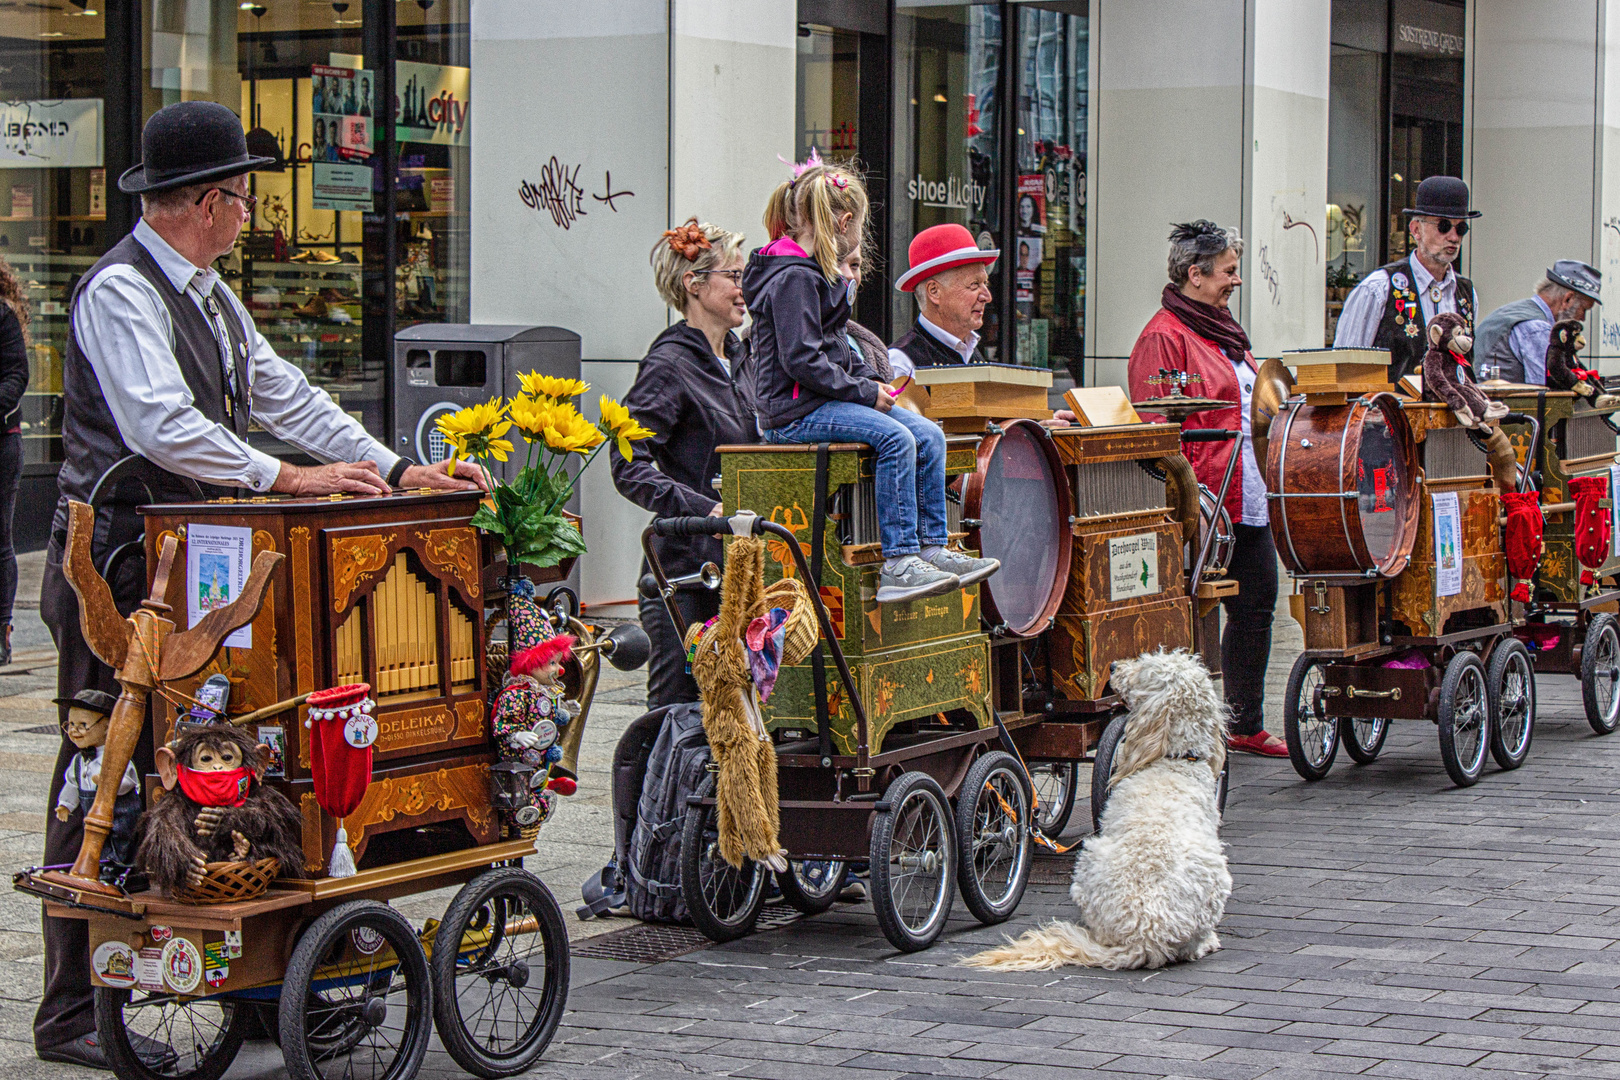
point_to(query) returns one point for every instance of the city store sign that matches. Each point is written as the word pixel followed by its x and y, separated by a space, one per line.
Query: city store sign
pixel 952 193
pixel 1429 29
pixel 50 134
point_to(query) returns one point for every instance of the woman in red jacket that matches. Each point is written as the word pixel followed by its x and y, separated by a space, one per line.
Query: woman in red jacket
pixel 1195 332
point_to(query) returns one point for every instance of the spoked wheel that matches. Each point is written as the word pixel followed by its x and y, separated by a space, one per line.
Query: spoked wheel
pixel 1057 788
pixel 1465 719
pixel 357 1000
pixel 1313 735
pixel 1363 738
pixel 724 900
pixel 1511 688
pixel 1600 674
pixel 811 885
pixel 913 862
pixel 500 972
pixel 1102 767
pixel 151 1036
pixel 993 837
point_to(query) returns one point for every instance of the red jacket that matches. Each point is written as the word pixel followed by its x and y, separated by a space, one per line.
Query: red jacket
pixel 1166 342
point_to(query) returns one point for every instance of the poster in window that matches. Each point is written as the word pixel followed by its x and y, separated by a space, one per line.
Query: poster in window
pixel 1031 204
pixel 341 106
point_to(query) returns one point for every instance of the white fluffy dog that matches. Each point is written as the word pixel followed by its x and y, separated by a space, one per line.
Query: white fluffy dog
pixel 1152 884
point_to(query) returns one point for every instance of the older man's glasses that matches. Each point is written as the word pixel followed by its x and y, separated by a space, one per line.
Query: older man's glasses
pixel 250 201
pixel 1445 225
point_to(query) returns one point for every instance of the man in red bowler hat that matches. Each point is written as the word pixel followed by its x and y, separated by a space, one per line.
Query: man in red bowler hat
pixel 950 274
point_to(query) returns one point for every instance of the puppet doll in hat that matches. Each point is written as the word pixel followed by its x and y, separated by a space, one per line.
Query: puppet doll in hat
pixel 86 728
pixel 531 709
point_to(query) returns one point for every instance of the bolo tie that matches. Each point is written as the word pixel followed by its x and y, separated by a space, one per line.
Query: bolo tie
pixel 227 366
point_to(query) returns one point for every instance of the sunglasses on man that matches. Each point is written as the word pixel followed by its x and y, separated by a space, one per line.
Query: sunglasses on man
pixel 1445 225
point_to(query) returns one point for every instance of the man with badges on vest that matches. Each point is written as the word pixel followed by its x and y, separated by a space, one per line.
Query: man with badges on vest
pixel 1511 343
pixel 1393 305
pixel 950 275
pixel 163 361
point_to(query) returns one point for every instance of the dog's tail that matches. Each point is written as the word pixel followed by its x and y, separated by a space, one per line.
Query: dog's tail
pixel 1058 944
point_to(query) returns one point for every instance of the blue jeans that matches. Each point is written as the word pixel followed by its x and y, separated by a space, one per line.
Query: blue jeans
pixel 910 467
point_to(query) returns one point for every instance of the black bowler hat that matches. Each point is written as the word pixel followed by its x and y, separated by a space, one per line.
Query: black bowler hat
pixel 1442 197
pixel 95 700
pixel 1576 276
pixel 190 142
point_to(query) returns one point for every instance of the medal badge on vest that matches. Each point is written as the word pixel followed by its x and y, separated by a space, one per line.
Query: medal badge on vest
pixel 1406 305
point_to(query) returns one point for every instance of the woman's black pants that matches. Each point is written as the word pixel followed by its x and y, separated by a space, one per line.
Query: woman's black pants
pixel 1246 641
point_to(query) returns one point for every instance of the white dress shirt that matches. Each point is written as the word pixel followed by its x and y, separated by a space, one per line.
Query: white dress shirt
pixel 1254 488
pixel 125 332
pixel 963 347
pixel 1364 307
pixel 1529 341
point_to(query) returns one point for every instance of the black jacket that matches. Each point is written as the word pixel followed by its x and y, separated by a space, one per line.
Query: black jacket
pixel 13 368
pixel 683 394
pixel 801 359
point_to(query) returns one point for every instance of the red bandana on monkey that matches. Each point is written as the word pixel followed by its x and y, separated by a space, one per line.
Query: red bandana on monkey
pixel 227 788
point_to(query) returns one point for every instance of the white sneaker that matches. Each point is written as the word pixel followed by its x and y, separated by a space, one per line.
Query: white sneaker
pixel 913 579
pixel 965 567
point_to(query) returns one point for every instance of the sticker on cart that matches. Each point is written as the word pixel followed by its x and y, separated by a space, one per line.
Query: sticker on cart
pixel 216 976
pixel 182 965
pixel 149 969
pixel 233 944
pixel 160 933
pixel 1614 509
pixel 367 940
pixel 360 731
pixel 1133 566
pixel 1447 545
pixel 114 964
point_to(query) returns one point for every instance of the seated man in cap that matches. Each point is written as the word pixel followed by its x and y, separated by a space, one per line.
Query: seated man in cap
pixel 950 275
pixel 1511 343
pixel 1391 306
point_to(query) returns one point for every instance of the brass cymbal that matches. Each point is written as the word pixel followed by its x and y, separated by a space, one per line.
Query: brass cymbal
pixel 1272 384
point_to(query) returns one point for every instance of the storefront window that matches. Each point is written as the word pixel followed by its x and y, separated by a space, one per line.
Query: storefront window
pixel 1426 89
pixel 1356 87
pixel 53 191
pixel 1049 245
pixel 829 93
pixel 947 163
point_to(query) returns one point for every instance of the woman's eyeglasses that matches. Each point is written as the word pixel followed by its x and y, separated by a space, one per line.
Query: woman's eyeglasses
pixel 734 275
pixel 1445 225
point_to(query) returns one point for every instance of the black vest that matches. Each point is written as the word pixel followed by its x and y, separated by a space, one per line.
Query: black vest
pixel 1401 331
pixel 91 441
pixel 925 350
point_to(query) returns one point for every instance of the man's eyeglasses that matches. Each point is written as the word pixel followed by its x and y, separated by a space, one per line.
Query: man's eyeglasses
pixel 1445 225
pixel 249 200
pixel 734 275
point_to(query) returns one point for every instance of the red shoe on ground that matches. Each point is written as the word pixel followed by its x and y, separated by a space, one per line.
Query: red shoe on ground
pixel 1263 743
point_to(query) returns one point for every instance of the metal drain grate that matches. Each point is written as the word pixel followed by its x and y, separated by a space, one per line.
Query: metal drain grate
pixel 649 943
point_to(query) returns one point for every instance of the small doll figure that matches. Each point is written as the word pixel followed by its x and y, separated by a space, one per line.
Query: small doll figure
pixel 86 728
pixel 221 812
pixel 532 707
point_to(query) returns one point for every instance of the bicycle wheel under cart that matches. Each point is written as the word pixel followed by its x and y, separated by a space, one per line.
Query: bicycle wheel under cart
pixel 913 862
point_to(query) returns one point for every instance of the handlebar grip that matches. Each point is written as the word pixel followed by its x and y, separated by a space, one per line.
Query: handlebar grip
pixel 692 526
pixel 1208 435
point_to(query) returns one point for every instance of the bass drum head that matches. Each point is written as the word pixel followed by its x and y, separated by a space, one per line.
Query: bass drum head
pixel 1383 486
pixel 1020 497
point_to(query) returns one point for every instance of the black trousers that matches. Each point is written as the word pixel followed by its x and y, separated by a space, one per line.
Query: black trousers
pixel 10 481
pixel 667 680
pixel 66 1010
pixel 1246 641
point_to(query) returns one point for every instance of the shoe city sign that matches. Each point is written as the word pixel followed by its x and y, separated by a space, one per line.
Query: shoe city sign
pixel 952 193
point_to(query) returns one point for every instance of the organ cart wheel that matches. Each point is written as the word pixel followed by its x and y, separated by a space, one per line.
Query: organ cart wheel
pixel 500 972
pixel 180 1039
pixel 724 901
pixel 812 885
pixel 357 999
pixel 913 862
pixel 1102 771
pixel 1313 736
pixel 993 838
pixel 1510 686
pixel 1600 674
pixel 1363 738
pixel 1465 718
pixel 1057 789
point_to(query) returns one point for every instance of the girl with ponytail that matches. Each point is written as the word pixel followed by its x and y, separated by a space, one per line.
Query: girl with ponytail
pixel 811 386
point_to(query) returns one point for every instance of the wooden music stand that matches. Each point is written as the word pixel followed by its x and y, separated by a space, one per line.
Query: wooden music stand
pixel 144 651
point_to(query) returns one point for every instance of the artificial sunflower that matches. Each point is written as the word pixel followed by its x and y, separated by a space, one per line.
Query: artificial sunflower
pixel 617 421
pixel 476 430
pixel 569 432
pixel 531 416
pixel 551 386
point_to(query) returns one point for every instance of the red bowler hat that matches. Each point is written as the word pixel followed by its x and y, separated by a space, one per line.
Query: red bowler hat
pixel 940 248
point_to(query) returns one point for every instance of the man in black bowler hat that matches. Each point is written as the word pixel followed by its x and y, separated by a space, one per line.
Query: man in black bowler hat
pixel 1511 342
pixel 1393 304
pixel 163 362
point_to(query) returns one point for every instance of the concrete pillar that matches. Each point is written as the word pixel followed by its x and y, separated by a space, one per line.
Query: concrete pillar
pixel 1214 109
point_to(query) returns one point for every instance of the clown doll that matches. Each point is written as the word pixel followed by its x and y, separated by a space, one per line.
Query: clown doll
pixel 86 729
pixel 532 707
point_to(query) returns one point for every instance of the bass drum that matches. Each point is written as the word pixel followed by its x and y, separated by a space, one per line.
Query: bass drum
pixel 1343 487
pixel 1220 549
pixel 1017 507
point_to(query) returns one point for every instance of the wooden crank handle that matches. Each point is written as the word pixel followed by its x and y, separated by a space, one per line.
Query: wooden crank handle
pixel 187 652
pixel 105 631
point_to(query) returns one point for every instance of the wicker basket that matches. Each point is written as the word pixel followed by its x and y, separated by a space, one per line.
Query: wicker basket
pixel 226 882
pixel 802 632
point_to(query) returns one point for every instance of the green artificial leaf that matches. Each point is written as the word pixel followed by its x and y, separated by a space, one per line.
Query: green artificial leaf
pixel 554 539
pixel 486 520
